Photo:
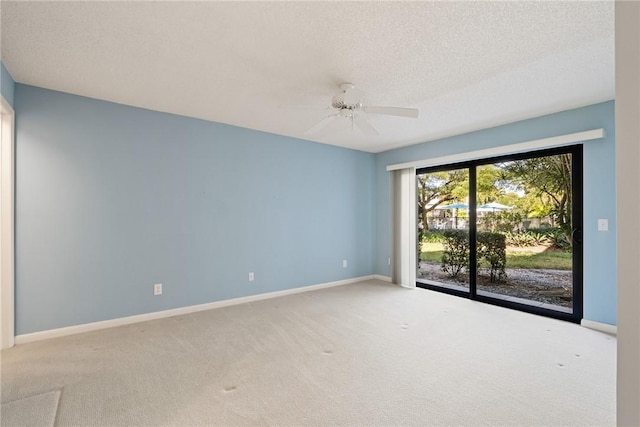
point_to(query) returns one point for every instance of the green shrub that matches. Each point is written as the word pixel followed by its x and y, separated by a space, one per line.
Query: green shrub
pixel 559 239
pixel 519 239
pixel 555 236
pixel 455 257
pixel 527 238
pixel 492 248
pixel 539 239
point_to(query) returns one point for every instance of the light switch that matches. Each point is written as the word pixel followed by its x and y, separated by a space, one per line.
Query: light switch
pixel 603 225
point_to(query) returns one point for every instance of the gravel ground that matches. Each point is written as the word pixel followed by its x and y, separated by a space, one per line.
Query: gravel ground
pixel 549 286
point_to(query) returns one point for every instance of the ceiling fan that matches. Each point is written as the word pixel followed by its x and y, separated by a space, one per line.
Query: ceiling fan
pixel 348 104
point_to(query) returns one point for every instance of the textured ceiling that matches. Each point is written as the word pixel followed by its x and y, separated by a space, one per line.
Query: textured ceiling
pixel 465 65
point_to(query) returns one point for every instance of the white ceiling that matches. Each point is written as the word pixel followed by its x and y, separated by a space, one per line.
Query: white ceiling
pixel 465 65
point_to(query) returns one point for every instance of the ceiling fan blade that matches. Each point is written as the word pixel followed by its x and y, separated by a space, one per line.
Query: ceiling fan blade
pixel 392 111
pixel 320 125
pixel 364 126
pixel 303 107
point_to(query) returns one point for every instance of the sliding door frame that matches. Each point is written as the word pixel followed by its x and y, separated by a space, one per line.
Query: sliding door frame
pixel 577 226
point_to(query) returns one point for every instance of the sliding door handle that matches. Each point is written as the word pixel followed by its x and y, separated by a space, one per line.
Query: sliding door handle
pixel 576 236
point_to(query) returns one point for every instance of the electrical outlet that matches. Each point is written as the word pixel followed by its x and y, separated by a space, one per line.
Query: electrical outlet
pixel 389 261
pixel 157 289
pixel 344 263
pixel 251 277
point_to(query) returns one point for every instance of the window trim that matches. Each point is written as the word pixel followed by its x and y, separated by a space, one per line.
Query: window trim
pixel 505 150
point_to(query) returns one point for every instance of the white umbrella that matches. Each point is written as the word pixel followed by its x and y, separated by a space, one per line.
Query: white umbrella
pixel 493 206
pixel 454 206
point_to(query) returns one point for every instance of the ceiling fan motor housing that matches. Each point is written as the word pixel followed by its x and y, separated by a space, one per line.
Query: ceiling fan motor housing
pixel 337 101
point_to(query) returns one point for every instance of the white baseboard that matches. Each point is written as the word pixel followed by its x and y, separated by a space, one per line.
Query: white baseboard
pixel 598 326
pixel 88 327
pixel 388 279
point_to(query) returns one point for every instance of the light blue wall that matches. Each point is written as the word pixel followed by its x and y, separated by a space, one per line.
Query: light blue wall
pixel 599 191
pixel 6 84
pixel 112 199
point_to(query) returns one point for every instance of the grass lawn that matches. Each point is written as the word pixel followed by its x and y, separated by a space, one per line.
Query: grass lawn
pixel 432 252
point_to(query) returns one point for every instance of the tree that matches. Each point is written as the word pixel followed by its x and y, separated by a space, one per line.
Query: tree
pixel 490 184
pixel 549 179
pixel 437 188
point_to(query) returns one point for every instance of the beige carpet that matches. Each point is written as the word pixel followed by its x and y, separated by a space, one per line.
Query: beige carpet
pixel 34 411
pixel 363 354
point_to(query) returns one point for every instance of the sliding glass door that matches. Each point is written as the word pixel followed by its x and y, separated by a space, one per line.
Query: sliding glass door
pixel 443 211
pixel 506 231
